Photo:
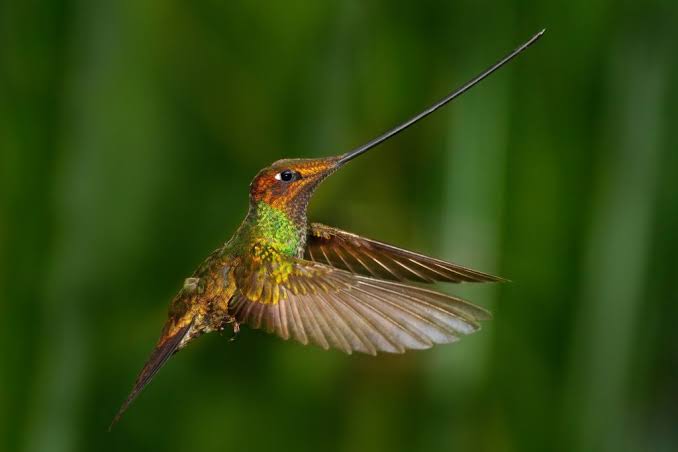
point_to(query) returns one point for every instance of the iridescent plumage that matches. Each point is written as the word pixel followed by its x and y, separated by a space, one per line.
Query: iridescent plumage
pixel 317 284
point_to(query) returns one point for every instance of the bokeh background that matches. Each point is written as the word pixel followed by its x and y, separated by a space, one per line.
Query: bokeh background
pixel 130 130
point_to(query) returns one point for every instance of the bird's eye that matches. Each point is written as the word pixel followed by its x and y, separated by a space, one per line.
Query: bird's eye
pixel 287 175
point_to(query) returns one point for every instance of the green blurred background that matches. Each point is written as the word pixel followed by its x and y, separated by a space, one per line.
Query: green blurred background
pixel 130 130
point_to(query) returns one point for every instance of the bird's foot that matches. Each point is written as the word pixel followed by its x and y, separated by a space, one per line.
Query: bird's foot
pixel 236 330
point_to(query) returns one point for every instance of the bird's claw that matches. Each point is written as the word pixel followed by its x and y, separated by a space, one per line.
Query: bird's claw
pixel 236 331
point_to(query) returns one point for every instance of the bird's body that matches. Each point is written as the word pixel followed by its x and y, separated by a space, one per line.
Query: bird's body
pixel 280 273
pixel 317 284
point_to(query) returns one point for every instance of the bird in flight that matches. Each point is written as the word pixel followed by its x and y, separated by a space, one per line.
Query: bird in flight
pixel 317 284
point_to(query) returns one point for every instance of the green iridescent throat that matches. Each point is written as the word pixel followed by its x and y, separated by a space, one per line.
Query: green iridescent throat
pixel 278 229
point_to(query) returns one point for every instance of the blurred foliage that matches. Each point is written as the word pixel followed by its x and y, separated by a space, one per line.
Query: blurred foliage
pixel 129 132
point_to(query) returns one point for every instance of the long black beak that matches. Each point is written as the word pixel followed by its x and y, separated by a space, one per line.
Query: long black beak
pixel 159 357
pixel 456 93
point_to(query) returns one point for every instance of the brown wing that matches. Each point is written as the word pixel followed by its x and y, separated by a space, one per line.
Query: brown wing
pixel 358 254
pixel 316 304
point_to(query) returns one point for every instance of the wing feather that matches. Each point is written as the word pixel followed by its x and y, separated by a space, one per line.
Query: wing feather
pixel 333 308
pixel 331 246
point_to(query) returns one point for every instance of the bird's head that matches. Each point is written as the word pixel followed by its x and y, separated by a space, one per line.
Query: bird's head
pixel 287 185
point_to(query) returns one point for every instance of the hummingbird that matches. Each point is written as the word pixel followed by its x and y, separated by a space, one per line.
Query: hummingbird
pixel 318 284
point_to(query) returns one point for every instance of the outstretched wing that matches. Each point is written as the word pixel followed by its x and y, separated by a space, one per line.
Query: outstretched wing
pixel 357 254
pixel 317 304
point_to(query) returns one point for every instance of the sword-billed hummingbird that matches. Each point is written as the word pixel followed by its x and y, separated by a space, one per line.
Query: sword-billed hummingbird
pixel 315 283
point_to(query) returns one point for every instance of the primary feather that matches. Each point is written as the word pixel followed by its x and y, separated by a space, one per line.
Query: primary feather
pixel 325 305
pixel 369 257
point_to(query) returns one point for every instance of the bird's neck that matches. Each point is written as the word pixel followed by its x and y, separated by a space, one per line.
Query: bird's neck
pixel 277 228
